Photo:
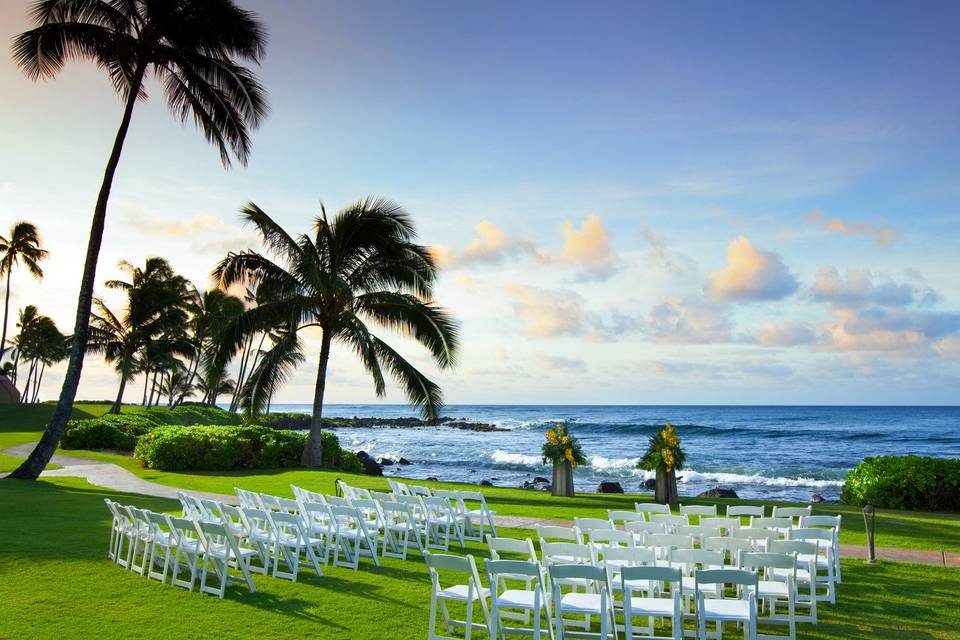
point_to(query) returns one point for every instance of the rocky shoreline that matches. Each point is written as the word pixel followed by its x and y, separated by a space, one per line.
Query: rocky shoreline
pixel 297 421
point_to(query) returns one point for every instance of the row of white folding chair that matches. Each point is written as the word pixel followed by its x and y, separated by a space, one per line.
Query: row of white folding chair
pixel 194 546
pixel 472 506
pixel 832 524
pixel 403 489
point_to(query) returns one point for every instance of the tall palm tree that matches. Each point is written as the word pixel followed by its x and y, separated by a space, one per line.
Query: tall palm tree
pixel 209 313
pixel 23 244
pixel 196 50
pixel 39 345
pixel 362 266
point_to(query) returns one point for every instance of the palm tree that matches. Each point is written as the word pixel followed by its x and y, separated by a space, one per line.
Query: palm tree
pixel 196 50
pixel 39 344
pixel 362 266
pixel 209 313
pixel 23 244
pixel 212 387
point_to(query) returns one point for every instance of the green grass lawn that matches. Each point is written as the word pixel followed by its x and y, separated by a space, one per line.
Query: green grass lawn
pixel 57 583
pixel 908 529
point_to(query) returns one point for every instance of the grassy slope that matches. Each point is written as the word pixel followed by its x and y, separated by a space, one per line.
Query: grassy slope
pixel 68 588
pixel 916 530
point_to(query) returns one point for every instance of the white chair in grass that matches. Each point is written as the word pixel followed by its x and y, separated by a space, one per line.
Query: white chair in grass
pixel 248 499
pixel 441 597
pixel 831 523
pixel 806 591
pixel 664 543
pixel 221 550
pixel 745 511
pixel 142 541
pixel 399 530
pixel 649 508
pixel 823 560
pixel 292 542
pixel 187 555
pixel 621 517
pixel 383 496
pixel 640 530
pixel 594 601
pixel 260 536
pixel 776 588
pixel 586 525
pixel 688 562
pixel 614 559
pixel 517 605
pixel 163 548
pixel 552 553
pixel 420 490
pixel 611 538
pixel 779 525
pixel 318 524
pixel 513 549
pixel 698 510
pixel 553 533
pixel 122 532
pixel 740 609
pixel 442 522
pixel 726 525
pixel 352 538
pixel 398 488
pixel 699 533
pixel 759 538
pixel 794 513
pixel 670 521
pixel 478 515
pixel 656 596
pixel 269 502
pixel 732 548
pixel 372 514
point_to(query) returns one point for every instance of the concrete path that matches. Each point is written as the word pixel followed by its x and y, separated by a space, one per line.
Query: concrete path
pixel 111 476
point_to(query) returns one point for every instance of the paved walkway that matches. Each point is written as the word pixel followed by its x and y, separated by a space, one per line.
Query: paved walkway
pixel 111 476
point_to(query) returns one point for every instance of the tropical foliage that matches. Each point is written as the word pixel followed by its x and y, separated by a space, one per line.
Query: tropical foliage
pixel 664 451
pixel 196 50
pixel 361 267
pixel 38 345
pixel 23 244
pixel 905 482
pixel 562 447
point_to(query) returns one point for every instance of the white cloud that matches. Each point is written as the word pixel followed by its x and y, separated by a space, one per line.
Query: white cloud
pixel 660 255
pixel 859 289
pixel 751 274
pixel 882 234
pixel 889 329
pixel 791 333
pixel 589 248
pixel 205 233
pixel 490 246
pixel 690 320
pixel 548 363
pixel 547 313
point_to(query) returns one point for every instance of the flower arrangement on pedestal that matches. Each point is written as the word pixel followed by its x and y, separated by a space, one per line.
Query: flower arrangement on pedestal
pixel 565 452
pixel 664 456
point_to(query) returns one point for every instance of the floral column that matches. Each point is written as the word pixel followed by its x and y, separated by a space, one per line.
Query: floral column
pixel 565 453
pixel 664 456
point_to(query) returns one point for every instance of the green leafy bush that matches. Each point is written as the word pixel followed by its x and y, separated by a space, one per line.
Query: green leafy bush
pixel 285 420
pixel 336 457
pixel 218 448
pixel 193 414
pixel 905 482
pixel 120 431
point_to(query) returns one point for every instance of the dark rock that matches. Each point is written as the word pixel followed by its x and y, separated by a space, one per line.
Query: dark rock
pixel 403 461
pixel 718 492
pixel 815 498
pixel 432 479
pixel 540 484
pixel 363 455
pixel 370 466
pixel 650 484
pixel 386 462
pixel 540 479
pixel 609 486
pixel 486 483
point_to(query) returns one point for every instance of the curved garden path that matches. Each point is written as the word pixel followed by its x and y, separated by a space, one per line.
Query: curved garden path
pixel 116 478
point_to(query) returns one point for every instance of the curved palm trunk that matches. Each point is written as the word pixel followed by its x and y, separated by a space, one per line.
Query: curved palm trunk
pixel 119 401
pixel 31 467
pixel 6 310
pixel 313 451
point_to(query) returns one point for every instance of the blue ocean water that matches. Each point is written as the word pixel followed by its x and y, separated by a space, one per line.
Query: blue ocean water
pixel 772 452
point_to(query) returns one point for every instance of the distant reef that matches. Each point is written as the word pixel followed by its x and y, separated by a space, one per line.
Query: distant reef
pixel 302 421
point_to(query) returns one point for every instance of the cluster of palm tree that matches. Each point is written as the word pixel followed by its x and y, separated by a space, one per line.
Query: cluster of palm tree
pixel 23 244
pixel 38 345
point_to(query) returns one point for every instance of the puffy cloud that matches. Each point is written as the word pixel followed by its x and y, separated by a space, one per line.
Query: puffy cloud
pixel 589 247
pixel 889 329
pixel 790 334
pixel 547 313
pixel 859 289
pixel 882 234
pixel 751 274
pixel 688 320
pixel 491 245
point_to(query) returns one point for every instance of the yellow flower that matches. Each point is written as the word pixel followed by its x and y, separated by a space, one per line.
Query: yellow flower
pixel 668 458
pixel 551 437
pixel 566 439
pixel 568 454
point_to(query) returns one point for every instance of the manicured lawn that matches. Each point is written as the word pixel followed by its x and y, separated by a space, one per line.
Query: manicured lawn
pixel 58 583
pixel 914 530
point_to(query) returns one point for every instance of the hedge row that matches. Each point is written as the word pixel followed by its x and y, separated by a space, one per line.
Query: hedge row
pixel 219 448
pixel 905 482
pixel 120 431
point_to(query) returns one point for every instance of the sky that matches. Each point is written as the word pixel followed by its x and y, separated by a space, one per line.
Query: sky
pixel 632 203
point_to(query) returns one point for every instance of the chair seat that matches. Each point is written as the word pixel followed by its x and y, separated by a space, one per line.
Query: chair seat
pixel 189 546
pixel 637 585
pixel 771 589
pixel 459 592
pixel 690 586
pixel 822 560
pixel 729 609
pixel 164 539
pixel 652 606
pixel 580 603
pixel 803 575
pixel 224 551
pixel 517 599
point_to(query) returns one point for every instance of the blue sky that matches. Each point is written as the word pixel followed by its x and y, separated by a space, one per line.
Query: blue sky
pixel 735 202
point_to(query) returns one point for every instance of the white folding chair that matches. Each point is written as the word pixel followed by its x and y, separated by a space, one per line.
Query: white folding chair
pixel 516 605
pixel 664 543
pixel 465 594
pixel 688 562
pixel 745 511
pixel 699 533
pixel 123 530
pixel 611 538
pixel 585 525
pixel 731 548
pixel 551 533
pixel 595 601
pixel 398 488
pixel 352 538
pixel 640 530
pixel 779 525
pixel 614 559
pixel 292 541
pixel 741 609
pixel 220 550
pixel 726 525
pixel 671 522
pixel 658 596
pixel 823 561
pixel 478 516
pixel 317 522
pixel 831 523
pixel 699 510
pixel 420 490
pixel 248 499
pixel 399 529
pixel 442 522
pixel 261 536
pixel 649 508
pixel 164 546
pixel 759 538
pixel 513 549
pixel 803 574
pixel 142 541
pixel 621 517
pixel 189 550
pixel 794 513
pixel 776 587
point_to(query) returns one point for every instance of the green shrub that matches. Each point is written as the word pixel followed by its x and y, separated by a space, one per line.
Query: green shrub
pixel 218 448
pixel 336 457
pixel 110 431
pixel 905 482
pixel 194 414
pixel 285 420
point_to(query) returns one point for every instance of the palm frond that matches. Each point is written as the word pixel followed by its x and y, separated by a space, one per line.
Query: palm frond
pixel 420 391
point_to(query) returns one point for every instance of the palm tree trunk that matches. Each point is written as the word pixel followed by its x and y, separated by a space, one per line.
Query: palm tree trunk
pixel 16 365
pixel 146 382
pixel 31 467
pixel 26 385
pixel 119 401
pixel 313 451
pixel 36 385
pixel 6 310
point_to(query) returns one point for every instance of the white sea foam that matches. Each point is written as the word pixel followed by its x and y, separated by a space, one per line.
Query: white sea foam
pixel 600 463
pixel 691 476
pixel 504 457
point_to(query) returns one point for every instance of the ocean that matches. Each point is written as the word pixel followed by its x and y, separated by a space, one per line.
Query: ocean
pixel 768 452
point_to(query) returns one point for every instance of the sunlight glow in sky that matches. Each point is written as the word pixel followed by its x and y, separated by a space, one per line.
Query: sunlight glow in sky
pixel 737 202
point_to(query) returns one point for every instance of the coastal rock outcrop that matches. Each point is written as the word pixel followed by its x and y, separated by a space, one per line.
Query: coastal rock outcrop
pixel 539 483
pixel 385 462
pixel 370 466
pixel 718 492
pixel 485 483
pixel 650 484
pixel 609 486
pixel 403 461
